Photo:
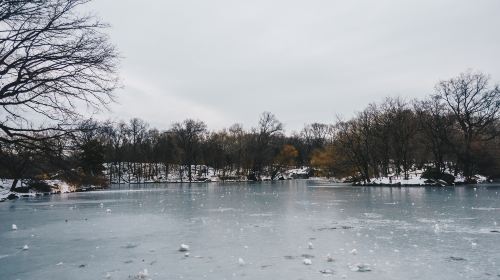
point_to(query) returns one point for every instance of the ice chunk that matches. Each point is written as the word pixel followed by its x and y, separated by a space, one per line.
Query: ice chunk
pixel 361 267
pixel 184 248
pixel 326 271
pixel 307 261
pixel 14 227
pixel 142 275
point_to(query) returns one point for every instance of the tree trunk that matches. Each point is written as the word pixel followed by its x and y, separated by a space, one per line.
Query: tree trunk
pixel 14 184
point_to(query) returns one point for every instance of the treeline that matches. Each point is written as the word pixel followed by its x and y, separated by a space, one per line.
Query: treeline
pixel 232 153
pixel 455 131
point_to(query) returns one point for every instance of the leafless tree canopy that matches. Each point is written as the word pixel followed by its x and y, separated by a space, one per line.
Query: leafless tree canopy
pixel 472 101
pixel 55 65
pixel 475 107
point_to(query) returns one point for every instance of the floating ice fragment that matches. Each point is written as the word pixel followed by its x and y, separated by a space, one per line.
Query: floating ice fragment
pixel 241 262
pixel 59 263
pixel 307 261
pixel 452 258
pixel 186 254
pixel 25 247
pixel 329 258
pixel 364 268
pixel 108 275
pixel 14 227
pixel 436 228
pixel 361 267
pixel 326 271
pixel 354 252
pixel 142 274
pixel 130 246
pixel 101 205
pixel 310 245
pixel 184 248
pixel 108 210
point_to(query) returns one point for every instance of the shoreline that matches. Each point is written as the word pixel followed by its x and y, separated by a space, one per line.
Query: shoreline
pixel 9 195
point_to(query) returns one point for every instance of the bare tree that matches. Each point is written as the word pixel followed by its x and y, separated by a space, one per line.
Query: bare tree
pixel 269 124
pixel 237 145
pixel 269 127
pixel 189 135
pixel 436 127
pixel 351 140
pixel 475 106
pixel 315 135
pixel 54 65
pixel 403 128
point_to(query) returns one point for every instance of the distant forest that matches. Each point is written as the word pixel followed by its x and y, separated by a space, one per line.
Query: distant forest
pixel 455 130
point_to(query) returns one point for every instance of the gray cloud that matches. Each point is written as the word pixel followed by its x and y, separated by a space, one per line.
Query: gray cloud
pixel 227 61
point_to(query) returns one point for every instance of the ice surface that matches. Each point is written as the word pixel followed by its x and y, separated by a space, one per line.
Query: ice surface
pixel 267 225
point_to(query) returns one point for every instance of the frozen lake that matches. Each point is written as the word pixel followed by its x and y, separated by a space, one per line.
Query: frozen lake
pixel 396 233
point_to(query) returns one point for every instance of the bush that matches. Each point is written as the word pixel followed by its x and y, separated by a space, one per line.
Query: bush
pixel 39 186
pixel 436 174
pixel 78 178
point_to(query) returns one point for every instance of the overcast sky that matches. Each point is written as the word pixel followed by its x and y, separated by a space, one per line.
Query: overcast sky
pixel 227 61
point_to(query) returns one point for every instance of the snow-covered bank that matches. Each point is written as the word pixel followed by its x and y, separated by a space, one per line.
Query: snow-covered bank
pixel 416 179
pixel 142 173
pixel 54 187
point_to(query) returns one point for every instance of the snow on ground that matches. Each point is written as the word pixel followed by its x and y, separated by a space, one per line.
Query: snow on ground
pixel 479 178
pixel 57 186
pixel 5 185
pixel 298 172
pixel 4 193
pixel 177 173
pixel 416 180
pixel 60 186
